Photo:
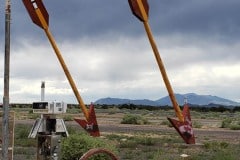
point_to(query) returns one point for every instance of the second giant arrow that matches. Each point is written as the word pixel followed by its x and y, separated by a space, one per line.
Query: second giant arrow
pixel 183 125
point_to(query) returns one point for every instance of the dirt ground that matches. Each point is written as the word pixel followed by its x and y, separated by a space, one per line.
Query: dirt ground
pixel 209 130
pixel 111 123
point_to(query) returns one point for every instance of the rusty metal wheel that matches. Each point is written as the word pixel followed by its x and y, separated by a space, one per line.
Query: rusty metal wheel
pixel 96 151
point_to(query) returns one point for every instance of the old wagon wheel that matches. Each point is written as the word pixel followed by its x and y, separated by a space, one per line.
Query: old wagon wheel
pixel 96 151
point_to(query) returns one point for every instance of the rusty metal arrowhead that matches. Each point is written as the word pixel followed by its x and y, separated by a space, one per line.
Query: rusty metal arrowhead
pixel 185 128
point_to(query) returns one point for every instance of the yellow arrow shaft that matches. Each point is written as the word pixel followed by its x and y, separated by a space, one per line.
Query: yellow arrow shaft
pixel 142 10
pixel 64 66
pixel 160 63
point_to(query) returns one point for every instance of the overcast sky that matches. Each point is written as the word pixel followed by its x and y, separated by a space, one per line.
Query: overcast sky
pixel 108 54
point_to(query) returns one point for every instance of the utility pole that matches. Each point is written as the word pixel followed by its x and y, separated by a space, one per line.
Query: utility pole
pixel 5 121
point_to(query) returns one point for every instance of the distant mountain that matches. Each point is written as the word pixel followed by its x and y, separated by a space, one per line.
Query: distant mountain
pixel 118 101
pixel 191 98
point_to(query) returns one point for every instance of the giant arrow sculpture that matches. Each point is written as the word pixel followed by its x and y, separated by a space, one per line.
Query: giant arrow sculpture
pixel 40 17
pixel 183 125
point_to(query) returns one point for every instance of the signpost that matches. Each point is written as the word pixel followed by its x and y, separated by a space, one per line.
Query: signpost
pixel 140 9
pixel 40 17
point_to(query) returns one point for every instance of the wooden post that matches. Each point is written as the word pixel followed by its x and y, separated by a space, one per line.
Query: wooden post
pixel 10 135
pixel 5 118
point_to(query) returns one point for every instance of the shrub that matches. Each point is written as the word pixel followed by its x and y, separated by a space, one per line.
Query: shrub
pixel 235 127
pixel 215 145
pixel 134 119
pixel 226 123
pixel 197 124
pixel 72 130
pixel 148 141
pixel 76 145
pixel 229 123
pixel 217 150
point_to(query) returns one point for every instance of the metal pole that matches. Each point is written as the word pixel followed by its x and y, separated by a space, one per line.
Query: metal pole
pixel 5 121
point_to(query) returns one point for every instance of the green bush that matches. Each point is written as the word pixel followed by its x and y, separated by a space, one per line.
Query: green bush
pixel 76 145
pixel 231 124
pixel 72 130
pixel 217 151
pixel 226 123
pixel 147 141
pixel 235 127
pixel 216 145
pixel 197 124
pixel 134 119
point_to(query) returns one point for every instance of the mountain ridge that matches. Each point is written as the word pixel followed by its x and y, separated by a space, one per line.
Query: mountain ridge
pixel 191 98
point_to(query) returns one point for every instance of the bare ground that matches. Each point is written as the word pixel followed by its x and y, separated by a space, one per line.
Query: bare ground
pixel 209 130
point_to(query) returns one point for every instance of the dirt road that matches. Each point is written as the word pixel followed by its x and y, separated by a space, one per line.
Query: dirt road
pixel 213 133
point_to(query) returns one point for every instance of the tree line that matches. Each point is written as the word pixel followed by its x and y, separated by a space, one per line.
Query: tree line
pixel 215 108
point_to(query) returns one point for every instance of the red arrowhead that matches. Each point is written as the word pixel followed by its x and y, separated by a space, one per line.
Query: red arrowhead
pixel 91 125
pixel 185 128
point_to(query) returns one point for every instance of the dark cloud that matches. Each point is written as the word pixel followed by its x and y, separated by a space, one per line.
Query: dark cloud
pixel 200 18
pixel 79 18
pixel 76 18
